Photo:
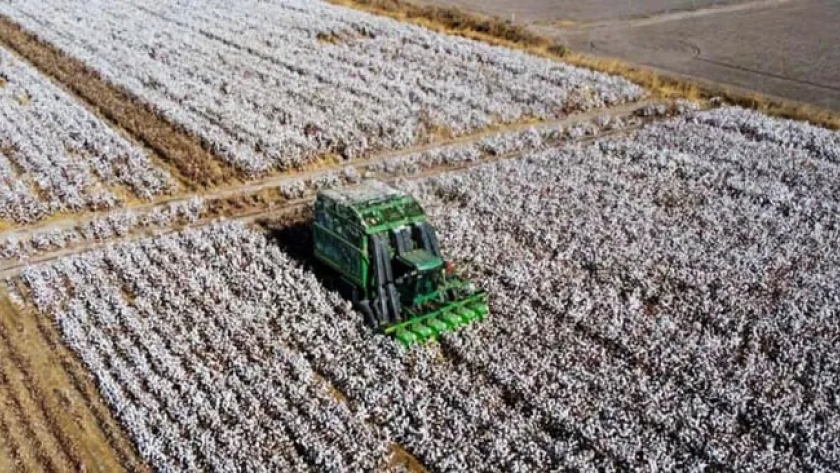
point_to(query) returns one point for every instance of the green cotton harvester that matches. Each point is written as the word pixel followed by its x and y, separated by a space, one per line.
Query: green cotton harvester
pixel 378 240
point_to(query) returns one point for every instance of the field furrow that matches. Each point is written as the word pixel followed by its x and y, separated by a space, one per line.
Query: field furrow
pixel 7 457
pixel 21 446
pixel 93 425
pixel 58 157
pixel 662 275
pixel 25 416
pixel 188 158
pixel 282 196
pixel 641 292
pixel 615 342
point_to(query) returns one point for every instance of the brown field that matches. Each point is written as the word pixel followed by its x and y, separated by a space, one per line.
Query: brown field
pixel 571 12
pixel 51 415
pixel 549 40
pixel 777 47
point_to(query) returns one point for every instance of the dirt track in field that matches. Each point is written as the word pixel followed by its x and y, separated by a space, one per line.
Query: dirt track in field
pixel 51 415
pixel 254 207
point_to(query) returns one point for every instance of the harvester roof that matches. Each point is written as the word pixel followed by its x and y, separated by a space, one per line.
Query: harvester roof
pixel 377 206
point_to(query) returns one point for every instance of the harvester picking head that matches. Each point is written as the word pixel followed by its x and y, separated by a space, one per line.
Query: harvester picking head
pixel 379 241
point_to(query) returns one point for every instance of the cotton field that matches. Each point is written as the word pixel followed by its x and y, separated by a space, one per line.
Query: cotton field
pixel 294 80
pixel 661 300
pixel 55 156
pixel 226 356
pixel 662 274
pixel 693 266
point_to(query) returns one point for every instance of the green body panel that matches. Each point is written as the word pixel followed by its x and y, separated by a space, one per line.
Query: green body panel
pixel 371 232
pixel 421 260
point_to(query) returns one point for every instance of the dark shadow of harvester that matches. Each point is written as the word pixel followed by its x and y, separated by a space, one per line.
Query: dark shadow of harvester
pixel 374 244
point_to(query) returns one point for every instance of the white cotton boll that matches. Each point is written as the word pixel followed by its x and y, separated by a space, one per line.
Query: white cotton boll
pixel 600 258
pixel 293 190
pixel 63 149
pixel 363 93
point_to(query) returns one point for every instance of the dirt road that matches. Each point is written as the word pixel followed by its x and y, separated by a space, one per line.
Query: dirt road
pixel 10 268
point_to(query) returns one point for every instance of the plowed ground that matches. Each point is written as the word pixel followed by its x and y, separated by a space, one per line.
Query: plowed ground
pixel 51 416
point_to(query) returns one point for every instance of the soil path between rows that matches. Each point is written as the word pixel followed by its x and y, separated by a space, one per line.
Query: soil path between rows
pixel 274 181
pixel 52 413
pixel 296 209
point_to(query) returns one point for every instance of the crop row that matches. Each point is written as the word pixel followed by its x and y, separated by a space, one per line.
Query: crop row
pixel 277 84
pixel 504 144
pixel 194 326
pixel 55 156
pixel 660 301
pixel 682 279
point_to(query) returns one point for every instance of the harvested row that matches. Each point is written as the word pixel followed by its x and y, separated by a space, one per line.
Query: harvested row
pixel 192 165
pixel 22 402
pixel 55 156
pixel 48 420
pixel 320 80
pixel 697 253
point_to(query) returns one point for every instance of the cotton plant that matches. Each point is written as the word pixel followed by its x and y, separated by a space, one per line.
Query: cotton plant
pixel 114 224
pixel 278 98
pixel 660 300
pixel 64 155
pixel 637 282
pixel 611 344
pixel 172 358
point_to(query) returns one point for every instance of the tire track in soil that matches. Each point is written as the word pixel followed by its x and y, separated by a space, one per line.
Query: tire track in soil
pixel 181 150
pixel 47 389
pixel 34 428
pixel 105 441
pixel 21 454
pixel 667 17
pixel 771 75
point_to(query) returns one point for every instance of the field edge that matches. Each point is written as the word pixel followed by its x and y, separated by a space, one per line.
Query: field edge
pixel 455 21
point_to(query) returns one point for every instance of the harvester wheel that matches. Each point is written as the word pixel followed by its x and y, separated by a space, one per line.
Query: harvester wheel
pixel 367 313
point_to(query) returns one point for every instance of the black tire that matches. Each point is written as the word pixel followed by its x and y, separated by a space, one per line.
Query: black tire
pixel 367 314
pixel 348 290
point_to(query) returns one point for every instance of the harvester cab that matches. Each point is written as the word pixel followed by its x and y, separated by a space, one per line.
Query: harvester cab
pixel 388 256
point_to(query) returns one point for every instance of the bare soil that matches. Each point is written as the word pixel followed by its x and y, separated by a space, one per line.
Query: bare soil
pixel 781 48
pixel 565 11
pixel 51 416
